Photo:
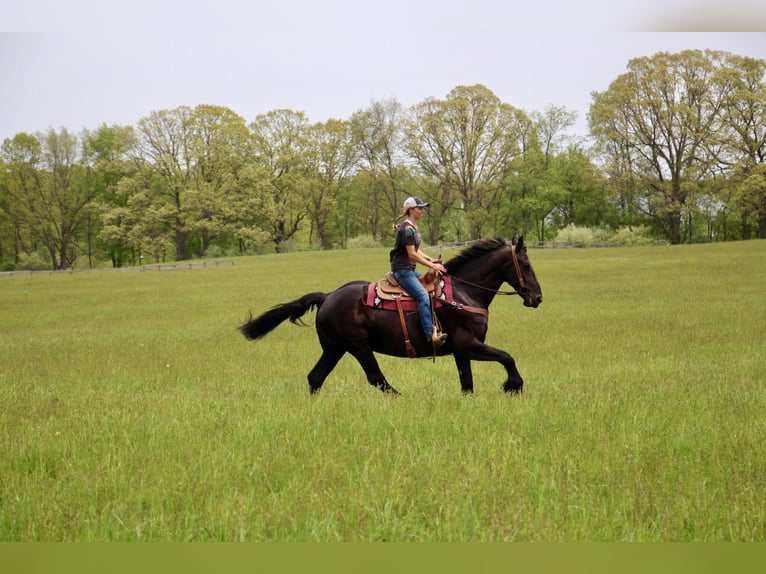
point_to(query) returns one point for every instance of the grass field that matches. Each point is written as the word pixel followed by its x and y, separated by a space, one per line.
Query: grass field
pixel 132 409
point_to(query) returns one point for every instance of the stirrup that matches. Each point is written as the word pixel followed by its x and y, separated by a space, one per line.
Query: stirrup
pixel 438 339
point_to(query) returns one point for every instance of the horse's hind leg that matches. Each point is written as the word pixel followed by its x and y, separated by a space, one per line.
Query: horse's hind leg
pixel 324 367
pixel 371 368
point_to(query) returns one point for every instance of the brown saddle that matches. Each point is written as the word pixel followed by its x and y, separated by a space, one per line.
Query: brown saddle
pixel 388 288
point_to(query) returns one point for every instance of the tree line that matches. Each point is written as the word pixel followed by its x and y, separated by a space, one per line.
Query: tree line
pixel 676 147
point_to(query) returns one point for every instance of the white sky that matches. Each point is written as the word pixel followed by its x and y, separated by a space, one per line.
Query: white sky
pixel 81 63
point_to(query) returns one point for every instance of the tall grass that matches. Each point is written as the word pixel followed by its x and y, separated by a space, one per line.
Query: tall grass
pixel 131 408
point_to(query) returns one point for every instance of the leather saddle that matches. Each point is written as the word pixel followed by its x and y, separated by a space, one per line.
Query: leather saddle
pixel 390 294
pixel 388 288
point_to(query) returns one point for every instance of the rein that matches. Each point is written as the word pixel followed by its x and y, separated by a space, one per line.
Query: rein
pixel 497 291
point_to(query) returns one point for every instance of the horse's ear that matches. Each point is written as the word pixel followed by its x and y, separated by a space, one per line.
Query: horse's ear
pixel 519 243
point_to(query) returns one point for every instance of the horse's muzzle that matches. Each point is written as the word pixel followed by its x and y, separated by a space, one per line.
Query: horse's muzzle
pixel 532 300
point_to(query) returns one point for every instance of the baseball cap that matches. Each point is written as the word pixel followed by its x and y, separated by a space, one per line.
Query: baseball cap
pixel 414 202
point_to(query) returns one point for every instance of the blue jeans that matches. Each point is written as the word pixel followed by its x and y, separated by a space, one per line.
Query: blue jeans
pixel 409 280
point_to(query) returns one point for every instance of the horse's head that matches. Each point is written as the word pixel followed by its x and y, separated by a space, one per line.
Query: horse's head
pixel 482 268
pixel 521 276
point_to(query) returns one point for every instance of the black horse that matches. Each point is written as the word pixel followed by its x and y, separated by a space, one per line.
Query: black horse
pixel 345 324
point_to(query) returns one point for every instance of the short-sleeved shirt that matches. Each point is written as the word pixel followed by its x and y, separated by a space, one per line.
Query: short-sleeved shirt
pixel 407 234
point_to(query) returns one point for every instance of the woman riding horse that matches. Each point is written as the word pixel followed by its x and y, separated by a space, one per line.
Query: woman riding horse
pixel 405 255
pixel 346 324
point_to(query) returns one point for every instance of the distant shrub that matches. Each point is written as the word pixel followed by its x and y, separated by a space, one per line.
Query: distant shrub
pixel 573 235
pixel 601 235
pixel 7 266
pixel 214 252
pixel 635 235
pixel 362 242
pixel 32 262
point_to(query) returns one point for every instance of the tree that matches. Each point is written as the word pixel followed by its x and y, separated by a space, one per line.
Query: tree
pixel 377 135
pixel 48 189
pixel 465 143
pixel 580 195
pixel 279 153
pixel 143 220
pixel 219 144
pixel 744 156
pixel 552 125
pixel 524 207
pixel 164 141
pixel 549 185
pixel 108 157
pixel 664 118
pixel 331 157
pixel 22 183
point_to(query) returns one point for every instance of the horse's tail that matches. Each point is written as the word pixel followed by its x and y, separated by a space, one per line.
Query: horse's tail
pixel 270 320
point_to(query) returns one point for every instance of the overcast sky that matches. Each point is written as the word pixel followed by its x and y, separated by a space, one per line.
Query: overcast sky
pixel 81 63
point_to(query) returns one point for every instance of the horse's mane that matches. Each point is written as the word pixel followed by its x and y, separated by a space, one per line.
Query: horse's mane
pixel 472 253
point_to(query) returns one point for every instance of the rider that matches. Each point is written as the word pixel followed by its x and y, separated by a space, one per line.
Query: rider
pixel 404 256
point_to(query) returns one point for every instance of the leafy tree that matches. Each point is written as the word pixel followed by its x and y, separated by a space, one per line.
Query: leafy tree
pixel 280 140
pixel 48 189
pixel 552 125
pixel 164 139
pixel 219 145
pixel 141 220
pixel 20 177
pixel 330 157
pixel 377 135
pixel 108 156
pixel 523 209
pixel 744 156
pixel 253 214
pixel 746 192
pixel 192 182
pixel 552 181
pixel 580 196
pixel 356 213
pixel 662 120
pixel 465 143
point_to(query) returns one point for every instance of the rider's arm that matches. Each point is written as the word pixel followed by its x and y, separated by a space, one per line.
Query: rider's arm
pixel 421 257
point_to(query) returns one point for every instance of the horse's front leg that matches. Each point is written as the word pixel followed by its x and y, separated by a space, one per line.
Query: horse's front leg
pixel 482 352
pixel 464 371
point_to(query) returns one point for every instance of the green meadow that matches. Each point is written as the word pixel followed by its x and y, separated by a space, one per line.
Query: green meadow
pixel 131 409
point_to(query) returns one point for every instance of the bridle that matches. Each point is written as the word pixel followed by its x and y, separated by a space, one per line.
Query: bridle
pixel 519 276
